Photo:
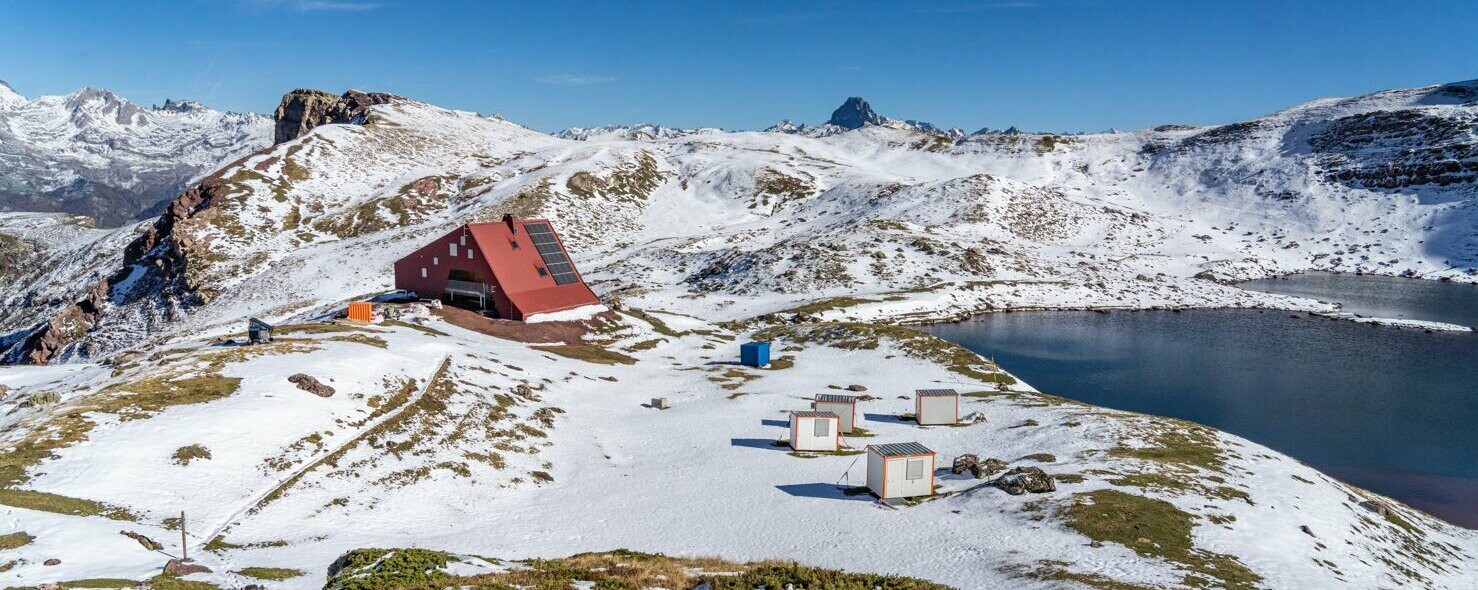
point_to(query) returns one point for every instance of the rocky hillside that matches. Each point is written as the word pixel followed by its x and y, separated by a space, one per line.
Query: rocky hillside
pixel 913 225
pixel 94 153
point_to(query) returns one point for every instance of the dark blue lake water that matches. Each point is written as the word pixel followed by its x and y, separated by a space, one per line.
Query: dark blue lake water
pixel 1391 410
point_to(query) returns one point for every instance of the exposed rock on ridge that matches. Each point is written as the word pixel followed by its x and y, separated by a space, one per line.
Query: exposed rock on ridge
pixel 301 110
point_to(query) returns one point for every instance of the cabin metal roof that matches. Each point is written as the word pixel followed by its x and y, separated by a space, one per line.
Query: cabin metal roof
pixel 813 414
pixel 903 449
pixel 935 392
pixel 836 398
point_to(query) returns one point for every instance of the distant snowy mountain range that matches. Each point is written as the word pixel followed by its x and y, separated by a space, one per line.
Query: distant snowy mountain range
pixel 95 153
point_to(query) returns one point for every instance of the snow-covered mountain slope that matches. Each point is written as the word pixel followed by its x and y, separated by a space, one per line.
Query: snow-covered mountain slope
pixel 95 153
pixel 919 225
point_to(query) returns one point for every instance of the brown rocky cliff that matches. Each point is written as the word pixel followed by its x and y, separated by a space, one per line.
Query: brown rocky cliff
pixel 301 110
pixel 166 253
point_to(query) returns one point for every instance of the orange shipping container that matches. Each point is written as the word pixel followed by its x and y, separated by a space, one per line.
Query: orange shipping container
pixel 361 311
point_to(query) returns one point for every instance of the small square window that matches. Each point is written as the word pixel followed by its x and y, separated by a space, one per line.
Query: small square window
pixel 915 469
pixel 513 243
pixel 822 428
pixel 542 272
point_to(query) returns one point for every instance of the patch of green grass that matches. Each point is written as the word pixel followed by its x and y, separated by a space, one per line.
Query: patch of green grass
pixel 58 504
pixel 836 453
pixel 276 574
pixel 184 455
pixel 1069 477
pixel 427 329
pixel 1051 570
pixel 1155 528
pixel 99 583
pixel 790 575
pixel 133 399
pixel 389 569
pixel 168 582
pixel 422 569
pixel 63 430
pixel 15 540
pixel 646 345
pixel 374 341
pixel 660 326
pixel 781 363
pixel 825 305
pixel 1177 442
pixel 219 543
pixel 589 353
pixel 1041 457
pixel 320 328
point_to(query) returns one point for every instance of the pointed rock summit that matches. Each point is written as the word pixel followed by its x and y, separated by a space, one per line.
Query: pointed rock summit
pixel 854 114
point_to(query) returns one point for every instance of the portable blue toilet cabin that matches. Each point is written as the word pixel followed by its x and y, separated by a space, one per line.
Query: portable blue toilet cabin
pixel 754 354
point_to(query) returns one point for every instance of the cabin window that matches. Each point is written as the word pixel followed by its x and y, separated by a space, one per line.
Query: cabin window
pixel 435 261
pixel 453 248
pixel 822 428
pixel 513 243
pixel 462 239
pixel 542 272
pixel 915 469
pixel 469 254
pixel 423 272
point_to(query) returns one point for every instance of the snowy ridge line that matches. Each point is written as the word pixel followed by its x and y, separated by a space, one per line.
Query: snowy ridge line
pixel 286 483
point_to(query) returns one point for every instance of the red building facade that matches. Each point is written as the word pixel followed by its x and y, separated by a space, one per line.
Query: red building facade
pixel 517 267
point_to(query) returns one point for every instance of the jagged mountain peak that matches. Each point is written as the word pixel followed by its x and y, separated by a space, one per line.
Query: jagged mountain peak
pixel 854 113
pixel 182 106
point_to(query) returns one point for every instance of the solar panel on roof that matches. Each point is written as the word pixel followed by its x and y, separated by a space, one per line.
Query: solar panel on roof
pixel 834 398
pixel 554 257
pixel 933 392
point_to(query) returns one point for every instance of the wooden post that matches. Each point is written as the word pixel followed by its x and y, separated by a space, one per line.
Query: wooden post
pixel 184 545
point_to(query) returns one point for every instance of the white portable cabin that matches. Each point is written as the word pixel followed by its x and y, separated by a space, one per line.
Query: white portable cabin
pixel 844 406
pixel 900 470
pixel 936 406
pixel 813 431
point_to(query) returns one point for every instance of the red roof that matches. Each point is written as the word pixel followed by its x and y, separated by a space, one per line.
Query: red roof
pixel 523 279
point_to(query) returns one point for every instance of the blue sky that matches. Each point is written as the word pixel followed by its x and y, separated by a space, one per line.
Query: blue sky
pixel 1058 65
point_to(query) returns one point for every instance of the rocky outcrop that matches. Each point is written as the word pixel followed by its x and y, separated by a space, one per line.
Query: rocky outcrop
pixel 156 264
pixel 1022 480
pixel 1399 149
pixel 147 543
pixel 311 385
pixel 301 110
pixel 855 113
pixel 978 469
pixel 180 567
